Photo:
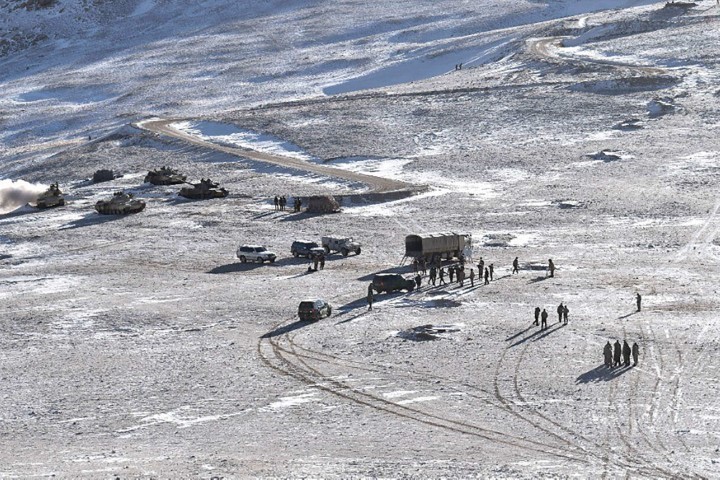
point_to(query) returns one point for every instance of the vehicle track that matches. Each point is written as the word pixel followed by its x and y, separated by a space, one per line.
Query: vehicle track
pixel 606 453
pixel 305 373
pixel 315 377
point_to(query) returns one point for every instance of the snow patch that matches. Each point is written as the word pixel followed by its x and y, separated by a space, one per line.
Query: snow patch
pixel 233 136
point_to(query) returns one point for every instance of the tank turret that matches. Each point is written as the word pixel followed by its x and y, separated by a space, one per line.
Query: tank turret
pixel 121 203
pixel 203 190
pixel 52 197
pixel 164 176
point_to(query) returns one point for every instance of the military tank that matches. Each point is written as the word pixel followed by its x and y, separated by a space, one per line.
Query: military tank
pixel 164 176
pixel 52 197
pixel 203 190
pixel 121 203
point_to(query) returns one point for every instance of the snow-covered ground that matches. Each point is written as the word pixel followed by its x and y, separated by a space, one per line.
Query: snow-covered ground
pixel 139 346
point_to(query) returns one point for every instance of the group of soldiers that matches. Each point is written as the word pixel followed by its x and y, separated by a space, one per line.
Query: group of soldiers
pixel 562 312
pixel 613 354
pixel 281 203
pixel 457 272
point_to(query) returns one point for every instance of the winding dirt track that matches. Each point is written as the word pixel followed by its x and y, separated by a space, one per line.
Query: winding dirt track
pixel 377 185
pixel 548 48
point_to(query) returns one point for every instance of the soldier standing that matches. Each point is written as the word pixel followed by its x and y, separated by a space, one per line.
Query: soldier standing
pixel 607 353
pixel 415 265
pixel 423 265
pixel 472 277
pixel 322 262
pixel 516 266
pixel 566 310
pixel 635 352
pixel 461 276
pixel 433 275
pixel 442 276
pixel 451 272
pixel 370 297
pixel 560 310
pixel 626 351
pixel 537 316
pixel 277 202
pixel 418 280
pixel 491 271
pixel 487 276
pixel 551 267
pixel 481 267
pixel 638 300
pixel 616 353
pixel 543 320
pixel 315 262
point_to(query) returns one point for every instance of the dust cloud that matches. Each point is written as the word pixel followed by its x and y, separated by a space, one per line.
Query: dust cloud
pixel 16 193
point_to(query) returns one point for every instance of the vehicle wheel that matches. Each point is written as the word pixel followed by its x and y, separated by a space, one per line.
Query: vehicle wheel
pixel 327 249
pixel 272 260
pixel 243 259
pixel 329 311
pixel 357 252
pixel 308 256
pixel 295 254
pixel 344 252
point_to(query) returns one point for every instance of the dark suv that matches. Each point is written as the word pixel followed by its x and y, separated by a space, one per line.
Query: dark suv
pixel 389 282
pixel 314 310
pixel 305 248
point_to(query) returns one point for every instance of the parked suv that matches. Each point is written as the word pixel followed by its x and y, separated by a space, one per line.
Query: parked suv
pixel 314 309
pixel 389 282
pixel 255 253
pixel 305 248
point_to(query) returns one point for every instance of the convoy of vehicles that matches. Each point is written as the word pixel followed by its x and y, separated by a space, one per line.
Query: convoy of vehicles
pixel 431 247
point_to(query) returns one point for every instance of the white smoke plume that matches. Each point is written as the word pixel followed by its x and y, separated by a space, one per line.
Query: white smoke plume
pixel 14 194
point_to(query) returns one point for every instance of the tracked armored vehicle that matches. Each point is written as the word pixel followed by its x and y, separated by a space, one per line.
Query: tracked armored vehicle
pixel 203 190
pixel 164 176
pixel 121 203
pixel 52 197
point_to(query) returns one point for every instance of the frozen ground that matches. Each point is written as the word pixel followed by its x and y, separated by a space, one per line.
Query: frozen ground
pixel 138 346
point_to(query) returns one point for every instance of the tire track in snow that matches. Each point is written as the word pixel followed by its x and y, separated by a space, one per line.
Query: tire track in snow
pixel 707 238
pixel 292 365
pixel 606 450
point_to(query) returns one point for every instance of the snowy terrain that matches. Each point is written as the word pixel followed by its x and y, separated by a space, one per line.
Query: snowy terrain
pixel 139 346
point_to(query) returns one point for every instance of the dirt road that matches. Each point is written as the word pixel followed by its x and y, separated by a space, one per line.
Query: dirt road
pixel 377 185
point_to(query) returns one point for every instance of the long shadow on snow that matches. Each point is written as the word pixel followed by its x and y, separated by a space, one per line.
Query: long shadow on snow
pixel 91 219
pixel 536 335
pixel 539 279
pixel 601 373
pixel 291 261
pixel 628 315
pixel 287 328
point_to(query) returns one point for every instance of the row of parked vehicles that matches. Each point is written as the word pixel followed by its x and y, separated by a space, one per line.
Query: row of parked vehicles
pixel 301 248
